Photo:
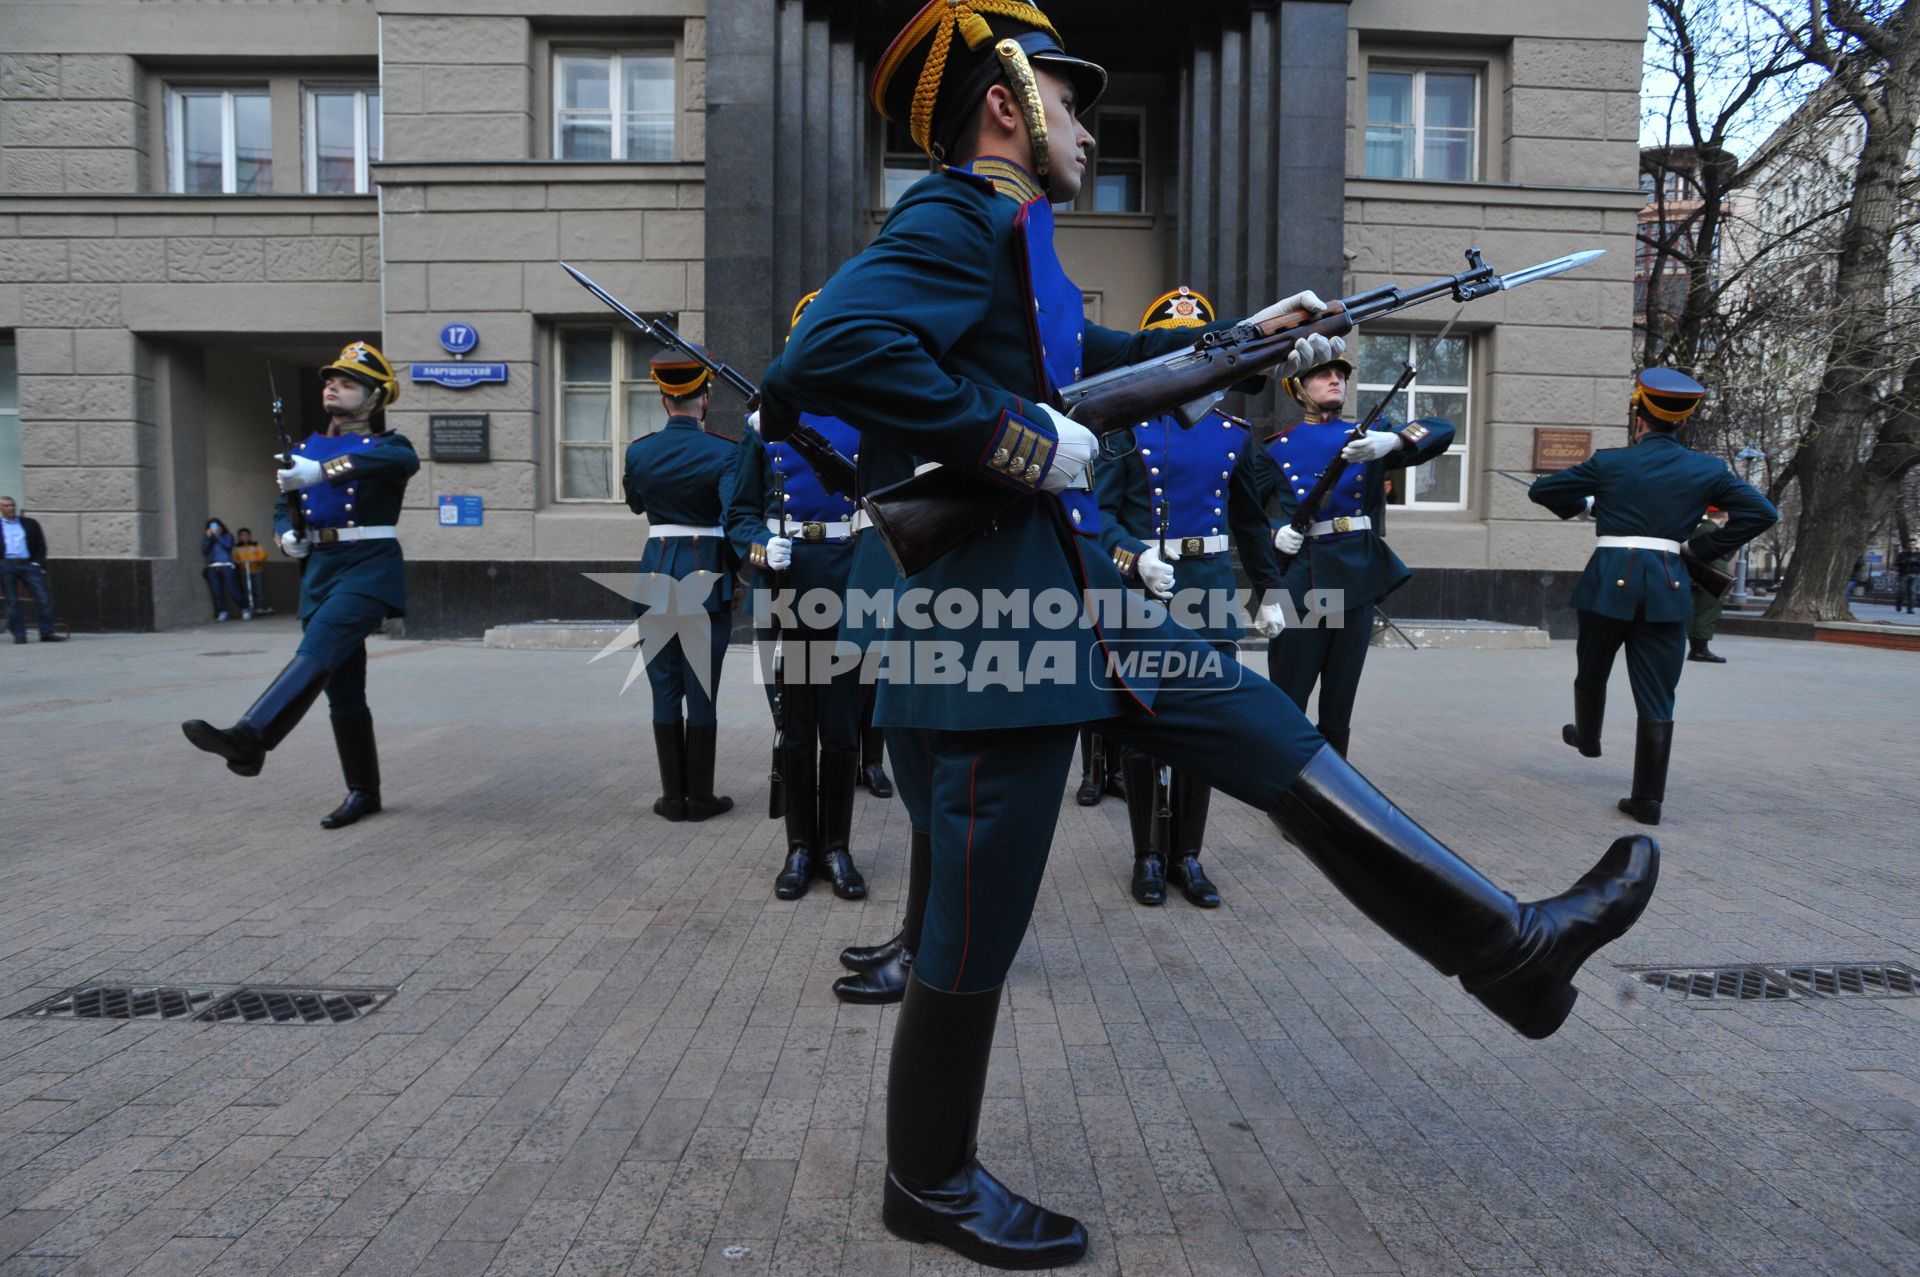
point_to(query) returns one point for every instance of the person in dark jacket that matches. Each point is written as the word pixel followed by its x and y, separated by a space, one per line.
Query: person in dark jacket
pixel 216 548
pixel 1646 499
pixel 350 483
pixel 1907 565
pixel 24 569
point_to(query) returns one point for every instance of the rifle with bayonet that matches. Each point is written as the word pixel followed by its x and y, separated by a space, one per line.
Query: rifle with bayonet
pixel 776 774
pixel 835 472
pixel 922 518
pixel 296 517
pixel 1704 574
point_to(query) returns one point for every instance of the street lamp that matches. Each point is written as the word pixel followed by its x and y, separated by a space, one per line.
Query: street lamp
pixel 1738 597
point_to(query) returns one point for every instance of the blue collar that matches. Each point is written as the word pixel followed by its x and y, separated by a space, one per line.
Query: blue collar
pixel 684 423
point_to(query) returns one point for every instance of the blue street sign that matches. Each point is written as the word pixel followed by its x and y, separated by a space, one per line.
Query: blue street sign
pixel 459 338
pixel 462 512
pixel 458 376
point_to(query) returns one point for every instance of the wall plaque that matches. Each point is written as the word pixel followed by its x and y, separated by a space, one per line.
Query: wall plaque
pixel 458 436
pixel 1557 448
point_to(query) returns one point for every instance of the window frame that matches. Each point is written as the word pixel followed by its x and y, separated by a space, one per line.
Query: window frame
pixel 175 96
pixel 13 466
pixel 1363 395
pixel 660 46
pixel 364 133
pixel 1420 71
pixel 1090 189
pixel 631 353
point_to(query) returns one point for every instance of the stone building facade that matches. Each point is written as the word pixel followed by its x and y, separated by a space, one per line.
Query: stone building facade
pixel 193 192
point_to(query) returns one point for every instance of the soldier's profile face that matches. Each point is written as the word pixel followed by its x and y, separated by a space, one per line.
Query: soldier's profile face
pixel 1327 387
pixel 342 394
pixel 1069 144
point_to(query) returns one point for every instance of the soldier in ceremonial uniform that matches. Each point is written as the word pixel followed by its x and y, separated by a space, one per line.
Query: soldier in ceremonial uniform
pixel 680 477
pixel 799 535
pixel 350 483
pixel 1343 550
pixel 1166 510
pixel 944 341
pixel 1646 500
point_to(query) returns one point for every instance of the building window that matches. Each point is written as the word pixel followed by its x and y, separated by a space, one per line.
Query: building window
pixel 1442 389
pixel 1422 123
pixel 607 400
pixel 219 141
pixel 1119 160
pixel 342 138
pixel 614 105
pixel 10 484
pixel 901 164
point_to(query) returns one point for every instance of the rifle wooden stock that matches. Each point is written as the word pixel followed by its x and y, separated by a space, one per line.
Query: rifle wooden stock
pixel 1706 576
pixel 921 518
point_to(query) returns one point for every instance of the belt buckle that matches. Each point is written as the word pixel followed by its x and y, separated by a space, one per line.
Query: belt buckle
pixel 811 531
pixel 1191 546
pixel 1343 524
pixel 326 536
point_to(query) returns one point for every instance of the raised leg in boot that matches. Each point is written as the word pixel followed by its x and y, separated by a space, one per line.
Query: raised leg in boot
pixel 837 768
pixel 936 1190
pixel 670 747
pixel 885 980
pixel 1187 832
pixel 266 724
pixel 1147 820
pixel 1652 747
pixel 360 764
pixel 796 875
pixel 1583 733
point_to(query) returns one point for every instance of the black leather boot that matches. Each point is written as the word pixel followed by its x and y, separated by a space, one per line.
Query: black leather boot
pixel 886 979
pixel 1189 801
pixel 266 724
pixel 837 768
pixel 360 764
pixel 936 1190
pixel 1113 775
pixel 1699 651
pixel 1149 826
pixel 1338 738
pixel 797 766
pixel 1583 733
pixel 702 739
pixel 1652 746
pixel 873 770
pixel 670 744
pixel 1092 764
pixel 1517 959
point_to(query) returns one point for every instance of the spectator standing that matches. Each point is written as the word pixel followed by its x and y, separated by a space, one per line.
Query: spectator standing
pixel 23 567
pixel 216 547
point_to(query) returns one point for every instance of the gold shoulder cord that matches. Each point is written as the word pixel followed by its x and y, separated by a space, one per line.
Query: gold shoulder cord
pixel 1019 73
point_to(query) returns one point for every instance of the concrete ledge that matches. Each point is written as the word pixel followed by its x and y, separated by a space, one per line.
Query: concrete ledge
pixel 1761 627
pixel 552 636
pixel 1464 635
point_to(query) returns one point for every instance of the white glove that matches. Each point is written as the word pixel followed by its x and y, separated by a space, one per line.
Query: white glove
pixel 1286 540
pixel 1310 352
pixel 1270 619
pixel 293 545
pixel 780 553
pixel 753 421
pixel 1375 445
pixel 1588 512
pixel 1155 573
pixel 1308 301
pixel 304 472
pixel 1073 457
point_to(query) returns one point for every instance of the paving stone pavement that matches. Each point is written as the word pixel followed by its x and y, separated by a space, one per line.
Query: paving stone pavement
pixel 614 1052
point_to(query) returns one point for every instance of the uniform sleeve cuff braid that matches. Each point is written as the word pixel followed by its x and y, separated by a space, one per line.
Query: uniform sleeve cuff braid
pixel 1020 452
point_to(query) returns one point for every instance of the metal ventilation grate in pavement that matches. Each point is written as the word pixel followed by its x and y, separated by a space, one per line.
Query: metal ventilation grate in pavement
pixel 220 1004
pixel 1781 982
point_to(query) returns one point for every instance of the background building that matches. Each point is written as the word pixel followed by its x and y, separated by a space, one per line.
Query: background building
pixel 194 191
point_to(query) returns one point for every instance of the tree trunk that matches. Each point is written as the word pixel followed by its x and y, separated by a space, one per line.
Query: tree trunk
pixel 1842 496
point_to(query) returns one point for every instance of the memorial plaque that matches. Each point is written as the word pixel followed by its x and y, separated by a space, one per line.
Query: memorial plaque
pixel 458 436
pixel 1557 448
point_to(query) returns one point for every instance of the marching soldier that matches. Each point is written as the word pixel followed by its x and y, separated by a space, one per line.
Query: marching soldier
pixel 350 483
pixel 1166 508
pixel 680 477
pixel 1706 604
pixel 1343 550
pixel 783 521
pixel 944 340
pixel 1646 498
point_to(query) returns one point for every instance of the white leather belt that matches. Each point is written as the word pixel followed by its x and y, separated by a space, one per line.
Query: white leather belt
pixel 1333 527
pixel 1177 548
pixel 815 530
pixel 1637 543
pixel 328 536
pixel 684 530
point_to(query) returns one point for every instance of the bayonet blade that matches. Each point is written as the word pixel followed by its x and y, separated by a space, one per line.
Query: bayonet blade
pixel 1557 266
pixel 612 302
